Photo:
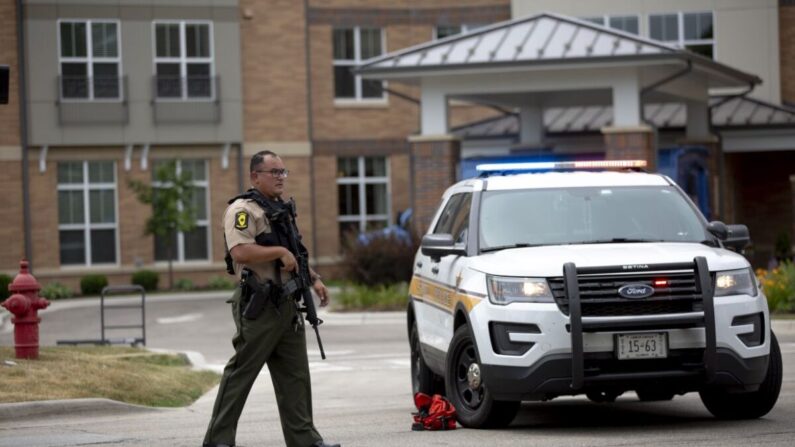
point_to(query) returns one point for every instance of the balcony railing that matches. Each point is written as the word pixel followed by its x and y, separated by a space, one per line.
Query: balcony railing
pixel 85 88
pixel 185 87
pixel 186 99
pixel 99 100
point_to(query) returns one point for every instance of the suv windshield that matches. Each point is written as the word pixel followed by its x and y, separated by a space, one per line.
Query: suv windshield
pixel 557 216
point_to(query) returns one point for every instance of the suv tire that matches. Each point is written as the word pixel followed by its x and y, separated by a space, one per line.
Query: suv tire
pixel 473 403
pixel 423 380
pixel 749 405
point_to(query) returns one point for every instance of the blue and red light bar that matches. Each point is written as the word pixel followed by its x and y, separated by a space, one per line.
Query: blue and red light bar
pixel 561 165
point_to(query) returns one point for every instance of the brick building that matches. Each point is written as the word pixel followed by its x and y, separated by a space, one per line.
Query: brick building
pixel 114 88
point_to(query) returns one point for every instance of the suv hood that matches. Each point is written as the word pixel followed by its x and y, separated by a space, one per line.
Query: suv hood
pixel 547 261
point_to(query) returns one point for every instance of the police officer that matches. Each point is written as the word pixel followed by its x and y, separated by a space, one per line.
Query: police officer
pixel 275 337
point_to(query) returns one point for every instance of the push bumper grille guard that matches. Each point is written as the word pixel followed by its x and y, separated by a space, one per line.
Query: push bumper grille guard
pixel 704 281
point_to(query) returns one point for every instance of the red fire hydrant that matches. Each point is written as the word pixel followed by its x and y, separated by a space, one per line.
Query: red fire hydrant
pixel 25 304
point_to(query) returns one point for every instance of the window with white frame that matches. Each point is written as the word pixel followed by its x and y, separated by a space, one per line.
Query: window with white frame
pixel 184 60
pixel 363 193
pixel 87 224
pixel 351 47
pixel 442 31
pixel 191 245
pixel 626 23
pixel 89 59
pixel 693 31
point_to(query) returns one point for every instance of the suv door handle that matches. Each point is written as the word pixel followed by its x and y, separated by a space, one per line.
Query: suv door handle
pixel 419 264
pixel 434 270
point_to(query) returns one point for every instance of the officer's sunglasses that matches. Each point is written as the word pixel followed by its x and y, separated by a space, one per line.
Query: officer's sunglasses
pixel 275 173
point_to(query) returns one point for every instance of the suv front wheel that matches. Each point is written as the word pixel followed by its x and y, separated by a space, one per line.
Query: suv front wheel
pixel 467 392
pixel 750 405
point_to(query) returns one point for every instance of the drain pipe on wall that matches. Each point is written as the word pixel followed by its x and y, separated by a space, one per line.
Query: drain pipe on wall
pixel 652 87
pixel 309 129
pixel 23 131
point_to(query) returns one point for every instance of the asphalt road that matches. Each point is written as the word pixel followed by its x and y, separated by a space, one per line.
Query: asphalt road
pixel 362 395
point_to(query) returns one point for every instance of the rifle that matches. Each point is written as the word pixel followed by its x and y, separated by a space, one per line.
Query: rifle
pixel 300 276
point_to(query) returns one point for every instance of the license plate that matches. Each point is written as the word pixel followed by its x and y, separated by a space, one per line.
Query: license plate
pixel 642 346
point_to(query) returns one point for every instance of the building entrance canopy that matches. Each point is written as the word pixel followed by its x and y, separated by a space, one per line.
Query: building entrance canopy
pixel 548 60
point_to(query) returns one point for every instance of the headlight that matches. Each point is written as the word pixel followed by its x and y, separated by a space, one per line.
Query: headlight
pixel 735 282
pixel 508 289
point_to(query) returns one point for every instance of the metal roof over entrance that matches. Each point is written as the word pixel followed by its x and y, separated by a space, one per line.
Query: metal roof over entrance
pixel 539 40
pixel 728 112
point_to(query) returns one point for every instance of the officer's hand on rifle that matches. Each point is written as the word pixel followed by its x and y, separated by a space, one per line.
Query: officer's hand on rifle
pixel 321 291
pixel 288 261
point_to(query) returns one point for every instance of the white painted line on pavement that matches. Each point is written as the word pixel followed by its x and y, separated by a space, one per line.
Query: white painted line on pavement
pixel 787 348
pixel 180 319
pixel 328 367
pixel 403 363
pixel 316 353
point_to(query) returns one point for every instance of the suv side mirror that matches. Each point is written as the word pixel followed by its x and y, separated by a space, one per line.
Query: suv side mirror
pixel 439 245
pixel 718 229
pixel 738 238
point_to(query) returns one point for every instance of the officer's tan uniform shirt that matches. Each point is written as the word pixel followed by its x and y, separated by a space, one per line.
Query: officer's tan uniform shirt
pixel 243 221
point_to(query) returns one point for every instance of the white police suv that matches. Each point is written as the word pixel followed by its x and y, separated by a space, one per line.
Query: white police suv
pixel 541 280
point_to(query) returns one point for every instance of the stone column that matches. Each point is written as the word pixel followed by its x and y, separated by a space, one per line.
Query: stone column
pixel 631 143
pixel 531 126
pixel 434 168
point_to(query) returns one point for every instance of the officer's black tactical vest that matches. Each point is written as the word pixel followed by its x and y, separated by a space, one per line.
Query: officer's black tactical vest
pixel 279 215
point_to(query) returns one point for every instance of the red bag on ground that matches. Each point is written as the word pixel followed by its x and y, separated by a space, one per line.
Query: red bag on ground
pixel 434 413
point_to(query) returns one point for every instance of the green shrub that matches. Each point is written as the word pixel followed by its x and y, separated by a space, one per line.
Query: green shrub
pixel 382 297
pixel 184 284
pixel 146 279
pixel 779 287
pixel 220 282
pixel 56 291
pixel 5 280
pixel 384 260
pixel 93 284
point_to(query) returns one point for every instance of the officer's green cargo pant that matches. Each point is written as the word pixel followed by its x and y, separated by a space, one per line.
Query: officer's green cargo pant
pixel 270 339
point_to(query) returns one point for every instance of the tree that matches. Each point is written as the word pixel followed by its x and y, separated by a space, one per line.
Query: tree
pixel 171 197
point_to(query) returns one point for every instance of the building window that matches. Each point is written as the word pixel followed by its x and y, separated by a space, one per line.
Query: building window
pixel 629 24
pixel 192 245
pixel 693 31
pixel 351 47
pixel 184 60
pixel 442 31
pixel 363 193
pixel 89 63
pixel 87 224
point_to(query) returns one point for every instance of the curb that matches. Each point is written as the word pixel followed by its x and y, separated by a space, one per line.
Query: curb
pixel 45 408
pixel 783 326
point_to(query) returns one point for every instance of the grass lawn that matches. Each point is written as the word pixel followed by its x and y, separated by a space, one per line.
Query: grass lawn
pixel 125 374
pixel 782 316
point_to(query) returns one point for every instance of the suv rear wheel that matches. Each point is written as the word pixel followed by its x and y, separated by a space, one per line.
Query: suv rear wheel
pixel 423 380
pixel 466 391
pixel 750 405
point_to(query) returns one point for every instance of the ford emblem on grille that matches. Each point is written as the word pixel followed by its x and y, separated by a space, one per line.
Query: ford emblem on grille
pixel 636 291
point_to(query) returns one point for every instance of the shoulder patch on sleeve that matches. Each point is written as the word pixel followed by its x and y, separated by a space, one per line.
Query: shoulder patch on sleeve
pixel 241 220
